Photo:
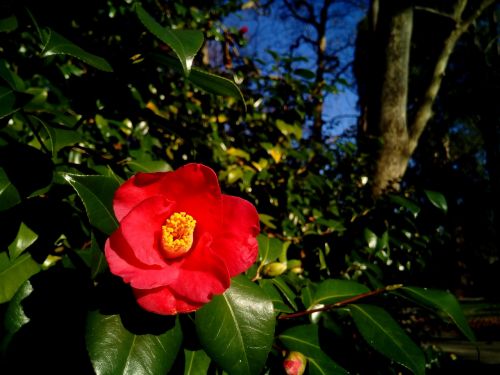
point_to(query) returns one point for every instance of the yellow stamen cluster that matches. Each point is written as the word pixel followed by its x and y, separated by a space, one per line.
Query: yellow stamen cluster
pixel 177 234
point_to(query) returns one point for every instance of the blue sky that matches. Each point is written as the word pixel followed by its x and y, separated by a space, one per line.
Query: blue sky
pixel 275 31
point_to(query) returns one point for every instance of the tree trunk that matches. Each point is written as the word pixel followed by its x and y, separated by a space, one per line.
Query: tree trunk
pixel 393 154
pixel 383 79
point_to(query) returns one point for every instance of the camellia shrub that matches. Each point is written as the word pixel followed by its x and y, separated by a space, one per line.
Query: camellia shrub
pixel 140 237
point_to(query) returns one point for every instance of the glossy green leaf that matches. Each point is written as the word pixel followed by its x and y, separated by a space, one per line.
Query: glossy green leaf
pixel 287 292
pixel 386 336
pixel 114 350
pixel 25 238
pixel 149 166
pixel 437 199
pixel 269 248
pixel 406 203
pixel 216 84
pixel 196 362
pixel 370 238
pixel 57 137
pixel 15 82
pixel 334 290
pixel 272 292
pixel 185 43
pixel 442 301
pixel 15 317
pixel 7 102
pixel 8 24
pixel 97 193
pixel 56 44
pixel 236 329
pixel 94 258
pixel 9 196
pixel 13 273
pixel 206 81
pixel 305 339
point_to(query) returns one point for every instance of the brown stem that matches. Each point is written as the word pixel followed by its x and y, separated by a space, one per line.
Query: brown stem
pixel 344 302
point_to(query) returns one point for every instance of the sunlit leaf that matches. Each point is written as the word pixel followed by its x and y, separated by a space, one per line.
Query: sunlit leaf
pixel 437 199
pixel 386 336
pixel 56 44
pixel 13 273
pixel 25 238
pixel 236 329
pixel 97 193
pixel 114 350
pixel 149 166
pixel 304 339
pixel 272 292
pixel 206 81
pixel 185 43
pixel 442 301
pixel 288 293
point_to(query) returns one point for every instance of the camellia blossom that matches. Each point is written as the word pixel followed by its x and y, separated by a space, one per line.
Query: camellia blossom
pixel 180 240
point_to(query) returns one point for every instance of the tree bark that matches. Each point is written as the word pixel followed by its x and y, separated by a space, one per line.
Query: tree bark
pixel 394 154
pixel 384 116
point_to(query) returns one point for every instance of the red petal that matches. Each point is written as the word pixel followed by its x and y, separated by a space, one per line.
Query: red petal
pixel 163 301
pixel 122 262
pixel 237 244
pixel 202 274
pixel 141 228
pixel 193 187
pixel 133 191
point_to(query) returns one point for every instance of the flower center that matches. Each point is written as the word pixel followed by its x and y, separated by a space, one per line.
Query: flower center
pixel 177 234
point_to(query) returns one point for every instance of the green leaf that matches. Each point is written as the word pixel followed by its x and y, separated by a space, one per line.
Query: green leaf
pixel 305 73
pixel 304 339
pixel 94 258
pixel 437 199
pixel 114 350
pixel 442 301
pixel 206 81
pixel 272 292
pixel 334 290
pixel 269 248
pixel 386 336
pixel 9 196
pixel 236 329
pixel 8 24
pixel 149 166
pixel 216 84
pixel 7 102
pixel 14 273
pixel 195 362
pixel 24 239
pixel 97 193
pixel 406 203
pixel 370 238
pixel 15 82
pixel 288 293
pixel 185 43
pixel 288 129
pixel 58 138
pixel 15 317
pixel 56 44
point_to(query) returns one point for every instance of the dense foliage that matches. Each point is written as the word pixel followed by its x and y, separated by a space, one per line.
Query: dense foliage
pixel 112 88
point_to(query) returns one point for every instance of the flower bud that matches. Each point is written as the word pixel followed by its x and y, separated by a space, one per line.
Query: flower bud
pixel 295 363
pixel 274 269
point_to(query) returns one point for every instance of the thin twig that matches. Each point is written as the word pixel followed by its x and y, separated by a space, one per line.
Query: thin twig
pixel 342 303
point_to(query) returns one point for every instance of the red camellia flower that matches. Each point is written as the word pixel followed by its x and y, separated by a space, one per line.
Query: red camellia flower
pixel 180 240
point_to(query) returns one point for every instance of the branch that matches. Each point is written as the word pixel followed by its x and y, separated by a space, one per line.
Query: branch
pixel 424 111
pixel 342 303
pixel 309 20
